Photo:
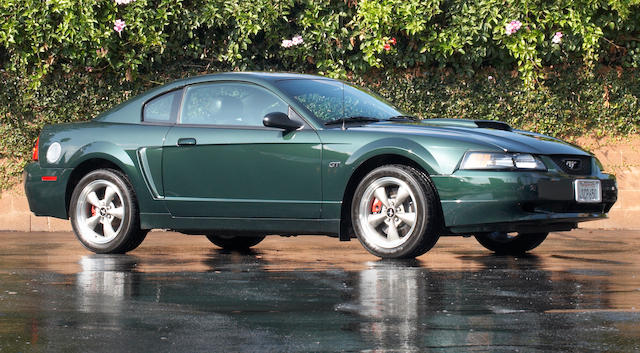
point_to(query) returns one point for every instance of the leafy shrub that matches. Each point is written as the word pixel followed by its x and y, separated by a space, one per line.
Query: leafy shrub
pixel 558 67
pixel 339 37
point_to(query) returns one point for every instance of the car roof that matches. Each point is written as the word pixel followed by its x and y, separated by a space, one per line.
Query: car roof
pixel 129 111
pixel 248 76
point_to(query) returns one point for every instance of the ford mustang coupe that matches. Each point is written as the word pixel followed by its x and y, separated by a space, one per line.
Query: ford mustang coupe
pixel 238 156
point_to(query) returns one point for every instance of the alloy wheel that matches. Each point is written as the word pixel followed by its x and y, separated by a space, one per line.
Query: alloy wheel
pixel 100 211
pixel 387 212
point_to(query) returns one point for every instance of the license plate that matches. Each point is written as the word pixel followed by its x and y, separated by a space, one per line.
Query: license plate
pixel 588 191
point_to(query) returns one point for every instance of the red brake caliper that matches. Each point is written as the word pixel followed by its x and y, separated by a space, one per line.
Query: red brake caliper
pixel 376 206
pixel 93 210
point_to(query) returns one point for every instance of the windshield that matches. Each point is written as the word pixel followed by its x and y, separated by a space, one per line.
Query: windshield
pixel 329 100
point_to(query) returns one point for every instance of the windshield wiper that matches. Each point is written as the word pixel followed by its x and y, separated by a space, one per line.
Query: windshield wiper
pixel 351 119
pixel 403 117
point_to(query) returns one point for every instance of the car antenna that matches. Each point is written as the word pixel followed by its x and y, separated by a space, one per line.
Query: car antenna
pixel 343 117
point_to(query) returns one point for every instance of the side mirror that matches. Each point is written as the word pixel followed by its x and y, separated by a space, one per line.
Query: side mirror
pixel 281 121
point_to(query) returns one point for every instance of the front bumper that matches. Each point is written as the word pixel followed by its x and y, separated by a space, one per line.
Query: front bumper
pixel 47 197
pixel 477 201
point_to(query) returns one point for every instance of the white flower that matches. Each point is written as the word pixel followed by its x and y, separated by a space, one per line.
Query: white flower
pixel 287 43
pixel 512 27
pixel 557 38
pixel 297 40
pixel 119 25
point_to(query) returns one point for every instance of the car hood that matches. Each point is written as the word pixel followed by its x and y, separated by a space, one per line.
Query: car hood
pixel 509 141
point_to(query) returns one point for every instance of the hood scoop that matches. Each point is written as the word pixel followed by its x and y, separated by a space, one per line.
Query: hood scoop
pixel 484 124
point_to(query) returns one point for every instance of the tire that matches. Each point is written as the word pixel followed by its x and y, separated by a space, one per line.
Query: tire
pixel 503 243
pixel 104 213
pixel 408 228
pixel 235 242
pixel 139 238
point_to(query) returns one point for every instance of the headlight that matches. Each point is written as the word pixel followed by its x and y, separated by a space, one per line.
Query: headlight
pixel 499 160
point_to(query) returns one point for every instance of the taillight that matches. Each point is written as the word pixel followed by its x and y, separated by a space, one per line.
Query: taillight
pixel 35 150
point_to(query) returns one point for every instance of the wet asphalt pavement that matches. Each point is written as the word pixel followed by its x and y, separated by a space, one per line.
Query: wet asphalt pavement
pixel 579 291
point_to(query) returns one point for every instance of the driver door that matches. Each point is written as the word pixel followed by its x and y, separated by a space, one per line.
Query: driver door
pixel 220 161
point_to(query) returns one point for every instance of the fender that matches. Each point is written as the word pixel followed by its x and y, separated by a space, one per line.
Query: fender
pixel 115 154
pixel 337 180
pixel 393 145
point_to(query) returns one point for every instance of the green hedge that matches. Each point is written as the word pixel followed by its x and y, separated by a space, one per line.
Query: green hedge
pixel 338 36
pixel 571 103
pixel 558 67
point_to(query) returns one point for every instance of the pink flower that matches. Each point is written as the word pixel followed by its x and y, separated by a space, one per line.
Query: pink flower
pixel 557 38
pixel 102 52
pixel 287 43
pixel 297 40
pixel 512 27
pixel 392 41
pixel 387 46
pixel 119 25
pixel 88 68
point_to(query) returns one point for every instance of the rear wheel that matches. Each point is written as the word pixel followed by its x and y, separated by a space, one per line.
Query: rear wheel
pixel 394 212
pixel 104 213
pixel 510 243
pixel 231 242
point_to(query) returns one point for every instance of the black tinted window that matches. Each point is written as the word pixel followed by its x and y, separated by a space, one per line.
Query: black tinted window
pixel 162 109
pixel 229 104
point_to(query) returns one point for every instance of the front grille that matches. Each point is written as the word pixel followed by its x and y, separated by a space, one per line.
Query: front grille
pixel 573 165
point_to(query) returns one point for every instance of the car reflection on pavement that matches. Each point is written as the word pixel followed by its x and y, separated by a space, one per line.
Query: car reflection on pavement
pixel 168 298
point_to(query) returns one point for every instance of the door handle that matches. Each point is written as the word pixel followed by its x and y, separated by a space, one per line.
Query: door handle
pixel 186 141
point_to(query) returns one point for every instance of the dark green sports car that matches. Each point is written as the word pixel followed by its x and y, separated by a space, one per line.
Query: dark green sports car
pixel 238 156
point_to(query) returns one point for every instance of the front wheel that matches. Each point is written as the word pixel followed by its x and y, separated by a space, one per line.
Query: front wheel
pixel 104 213
pixel 510 243
pixel 395 213
pixel 231 242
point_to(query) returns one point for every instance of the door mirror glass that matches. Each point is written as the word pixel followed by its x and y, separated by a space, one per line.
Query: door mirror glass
pixel 281 121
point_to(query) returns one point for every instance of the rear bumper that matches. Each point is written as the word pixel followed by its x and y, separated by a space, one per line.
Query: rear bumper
pixel 474 201
pixel 46 196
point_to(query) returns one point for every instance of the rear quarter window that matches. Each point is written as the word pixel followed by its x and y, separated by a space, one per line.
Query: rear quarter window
pixel 162 109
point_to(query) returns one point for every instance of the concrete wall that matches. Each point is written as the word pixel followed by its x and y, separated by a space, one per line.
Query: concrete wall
pixel 15 215
pixel 620 157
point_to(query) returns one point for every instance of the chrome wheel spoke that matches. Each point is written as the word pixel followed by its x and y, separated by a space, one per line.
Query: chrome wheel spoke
pixel 108 228
pixel 375 219
pixel 93 199
pixel 407 218
pixel 109 193
pixel 402 195
pixel 93 221
pixel 392 232
pixel 117 212
pixel 381 194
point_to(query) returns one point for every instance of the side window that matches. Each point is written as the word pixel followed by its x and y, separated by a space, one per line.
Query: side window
pixel 162 109
pixel 228 103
